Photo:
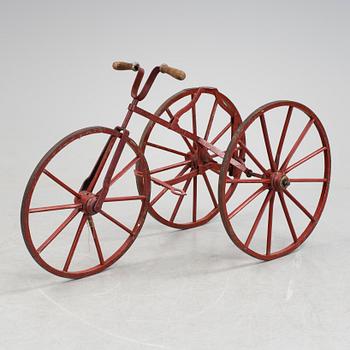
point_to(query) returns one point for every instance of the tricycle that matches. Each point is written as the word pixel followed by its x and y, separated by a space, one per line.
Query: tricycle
pixel 209 156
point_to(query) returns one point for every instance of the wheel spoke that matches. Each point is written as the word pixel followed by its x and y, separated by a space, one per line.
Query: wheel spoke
pixel 125 198
pixel 75 243
pixel 296 144
pixel 305 159
pixel 115 221
pixel 168 167
pixel 61 183
pixel 159 196
pixel 179 201
pixel 283 136
pixel 258 219
pixel 194 204
pixel 210 189
pixel 299 205
pixel 246 202
pixel 58 230
pixel 96 240
pixel 267 142
pixel 269 225
pixel 211 119
pixel 252 157
pixel 220 134
pixel 164 190
pixel 167 149
pixel 188 143
pixel 289 220
pixel 308 180
pixel 54 208
pixel 123 171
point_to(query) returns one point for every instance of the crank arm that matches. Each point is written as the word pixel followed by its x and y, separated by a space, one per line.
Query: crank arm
pixel 165 184
pixel 173 190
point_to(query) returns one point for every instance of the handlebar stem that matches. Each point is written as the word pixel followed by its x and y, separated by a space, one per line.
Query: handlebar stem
pixel 147 86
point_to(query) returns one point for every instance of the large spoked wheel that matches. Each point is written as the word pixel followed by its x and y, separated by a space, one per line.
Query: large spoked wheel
pixel 186 165
pixel 274 210
pixel 63 230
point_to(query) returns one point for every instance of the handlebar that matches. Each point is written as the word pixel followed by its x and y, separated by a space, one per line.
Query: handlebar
pixel 120 65
pixel 163 68
pixel 174 72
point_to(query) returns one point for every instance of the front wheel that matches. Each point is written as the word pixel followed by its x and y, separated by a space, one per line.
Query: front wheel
pixel 61 229
pixel 274 210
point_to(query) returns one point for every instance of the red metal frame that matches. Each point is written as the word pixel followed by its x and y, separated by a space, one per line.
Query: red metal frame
pixel 172 125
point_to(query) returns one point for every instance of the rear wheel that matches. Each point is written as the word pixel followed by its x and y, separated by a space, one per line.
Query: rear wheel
pixel 274 211
pixel 187 165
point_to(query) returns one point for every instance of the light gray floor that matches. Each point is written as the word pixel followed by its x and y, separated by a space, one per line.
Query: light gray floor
pixel 173 289
pixel 185 290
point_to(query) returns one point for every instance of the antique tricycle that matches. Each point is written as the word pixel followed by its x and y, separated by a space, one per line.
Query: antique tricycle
pixel 101 177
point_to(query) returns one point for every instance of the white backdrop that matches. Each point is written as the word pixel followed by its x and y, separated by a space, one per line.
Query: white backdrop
pixel 181 291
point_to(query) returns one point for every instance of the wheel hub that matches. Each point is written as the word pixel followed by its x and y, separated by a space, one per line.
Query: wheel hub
pixel 88 201
pixel 279 181
pixel 199 157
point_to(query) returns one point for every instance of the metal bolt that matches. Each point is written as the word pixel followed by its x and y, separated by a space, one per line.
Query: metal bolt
pixel 285 182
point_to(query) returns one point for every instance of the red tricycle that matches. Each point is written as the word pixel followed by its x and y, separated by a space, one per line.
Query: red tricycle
pixel 268 176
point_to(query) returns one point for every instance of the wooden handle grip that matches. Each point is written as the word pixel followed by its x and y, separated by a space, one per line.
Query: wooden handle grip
pixel 174 72
pixel 120 65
